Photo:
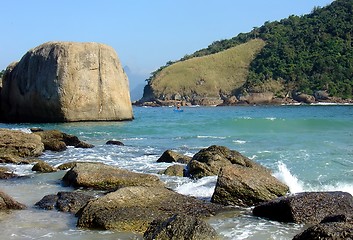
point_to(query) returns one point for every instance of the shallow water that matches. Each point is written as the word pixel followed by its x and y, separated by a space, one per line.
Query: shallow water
pixel 310 148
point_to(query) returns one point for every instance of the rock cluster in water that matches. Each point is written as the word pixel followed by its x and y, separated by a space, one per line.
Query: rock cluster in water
pixel 66 81
pixel 134 202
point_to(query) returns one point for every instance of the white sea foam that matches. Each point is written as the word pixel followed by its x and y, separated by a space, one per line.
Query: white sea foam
pixel 213 137
pixel 239 141
pixel 202 188
pixel 271 118
pixel 284 175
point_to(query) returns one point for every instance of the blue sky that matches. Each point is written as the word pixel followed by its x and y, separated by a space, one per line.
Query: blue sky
pixel 145 33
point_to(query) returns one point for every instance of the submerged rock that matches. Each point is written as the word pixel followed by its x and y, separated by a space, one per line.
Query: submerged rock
pixel 245 186
pixel 114 142
pixel 64 201
pixel 178 227
pixel 8 203
pixel 43 167
pixel 307 207
pixel 134 208
pixel 20 144
pixel 170 156
pixel 174 170
pixel 64 82
pixel 209 161
pixel 105 177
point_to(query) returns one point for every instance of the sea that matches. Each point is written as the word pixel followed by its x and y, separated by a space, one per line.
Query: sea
pixel 308 147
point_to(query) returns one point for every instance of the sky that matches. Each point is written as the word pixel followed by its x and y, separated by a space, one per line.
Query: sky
pixel 145 33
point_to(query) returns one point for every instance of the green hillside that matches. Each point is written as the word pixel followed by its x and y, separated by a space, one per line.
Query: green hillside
pixel 208 75
pixel 307 54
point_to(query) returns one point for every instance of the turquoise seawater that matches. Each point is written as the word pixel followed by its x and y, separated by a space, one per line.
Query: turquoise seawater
pixel 310 148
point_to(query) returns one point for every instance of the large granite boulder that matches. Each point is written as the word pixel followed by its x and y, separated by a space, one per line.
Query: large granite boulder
pixel 307 207
pixel 104 177
pixel 209 161
pixel 244 186
pixel 132 209
pixel 20 144
pixel 171 156
pixel 178 227
pixel 66 81
pixel 8 203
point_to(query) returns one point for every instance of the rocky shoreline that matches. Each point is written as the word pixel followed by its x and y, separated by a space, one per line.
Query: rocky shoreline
pixel 107 197
pixel 266 98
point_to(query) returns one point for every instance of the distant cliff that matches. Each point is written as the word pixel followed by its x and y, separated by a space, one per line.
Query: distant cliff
pixel 305 59
pixel 64 82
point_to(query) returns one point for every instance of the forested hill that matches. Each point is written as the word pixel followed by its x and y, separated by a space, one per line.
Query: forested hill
pixel 302 53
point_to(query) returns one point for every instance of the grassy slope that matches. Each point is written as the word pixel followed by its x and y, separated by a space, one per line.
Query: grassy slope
pixel 207 76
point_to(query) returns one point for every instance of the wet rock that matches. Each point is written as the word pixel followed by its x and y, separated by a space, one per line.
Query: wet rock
pixel 6 173
pixel 8 158
pixel 64 201
pixel 114 142
pixel 67 165
pixel 20 144
pixel 8 203
pixel 104 177
pixel 43 167
pixel 302 97
pixel 180 227
pixel 307 207
pixel 333 227
pixel 133 208
pixel 48 202
pixel 245 186
pixel 174 170
pixel 55 140
pixel 209 161
pixel 170 156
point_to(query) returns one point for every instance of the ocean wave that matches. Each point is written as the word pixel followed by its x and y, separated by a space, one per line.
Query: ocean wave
pixel 239 141
pixel 213 137
pixel 201 188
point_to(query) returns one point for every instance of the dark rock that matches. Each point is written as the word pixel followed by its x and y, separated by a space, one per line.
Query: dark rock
pixel 48 202
pixel 170 156
pixel 302 97
pixel 327 231
pixel 244 186
pixel 43 167
pixel 209 161
pixel 307 207
pixel 114 142
pixel 72 201
pixel 36 129
pixel 64 201
pixel 174 170
pixel 104 177
pixel 7 203
pixel 133 208
pixel 180 227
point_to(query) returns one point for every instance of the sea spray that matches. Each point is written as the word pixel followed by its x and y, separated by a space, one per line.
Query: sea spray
pixel 284 175
pixel 201 188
